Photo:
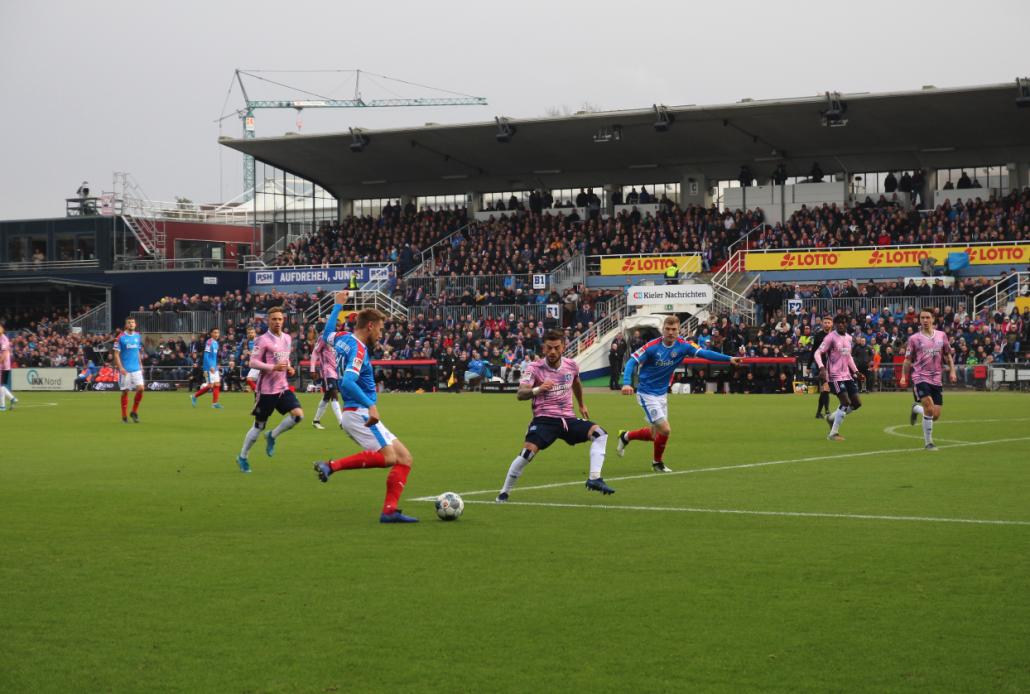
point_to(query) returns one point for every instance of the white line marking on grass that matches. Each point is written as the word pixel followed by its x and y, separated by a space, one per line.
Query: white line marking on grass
pixel 893 432
pixel 743 466
pixel 743 512
pixel 19 406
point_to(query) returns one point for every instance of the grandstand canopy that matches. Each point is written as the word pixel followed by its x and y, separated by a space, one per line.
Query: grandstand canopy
pixel 929 128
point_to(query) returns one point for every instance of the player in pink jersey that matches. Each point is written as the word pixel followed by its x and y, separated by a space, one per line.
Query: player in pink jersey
pixel 550 383
pixel 323 362
pixel 5 371
pixel 837 368
pixel 271 357
pixel 925 354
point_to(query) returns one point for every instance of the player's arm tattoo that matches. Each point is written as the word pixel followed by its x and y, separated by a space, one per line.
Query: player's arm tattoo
pixel 525 392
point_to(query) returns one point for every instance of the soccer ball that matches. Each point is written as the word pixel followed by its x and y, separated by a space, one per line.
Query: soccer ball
pixel 449 506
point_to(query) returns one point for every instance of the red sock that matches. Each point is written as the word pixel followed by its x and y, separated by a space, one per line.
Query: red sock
pixel 125 403
pixel 252 385
pixel 659 447
pixel 135 400
pixel 395 486
pixel 200 391
pixel 639 435
pixel 217 390
pixel 358 461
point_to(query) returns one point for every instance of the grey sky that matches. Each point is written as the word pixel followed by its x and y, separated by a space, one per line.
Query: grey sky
pixel 89 88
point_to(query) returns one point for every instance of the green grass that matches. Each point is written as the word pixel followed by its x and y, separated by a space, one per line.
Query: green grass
pixel 137 558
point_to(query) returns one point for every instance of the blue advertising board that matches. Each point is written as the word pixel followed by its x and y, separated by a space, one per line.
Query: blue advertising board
pixel 308 279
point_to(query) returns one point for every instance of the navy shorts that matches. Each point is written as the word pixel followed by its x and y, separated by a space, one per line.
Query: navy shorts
pixel 848 387
pixel 282 403
pixel 928 390
pixel 5 378
pixel 329 386
pixel 543 431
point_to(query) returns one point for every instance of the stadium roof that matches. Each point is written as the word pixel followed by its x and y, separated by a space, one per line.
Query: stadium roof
pixel 929 128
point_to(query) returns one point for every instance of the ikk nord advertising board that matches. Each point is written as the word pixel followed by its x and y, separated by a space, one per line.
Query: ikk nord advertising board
pixel 43 379
pixel 830 259
pixel 325 277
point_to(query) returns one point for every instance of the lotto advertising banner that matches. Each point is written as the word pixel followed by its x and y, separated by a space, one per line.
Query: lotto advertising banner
pixel 328 278
pixel 670 294
pixel 829 259
pixel 43 379
pixel 650 265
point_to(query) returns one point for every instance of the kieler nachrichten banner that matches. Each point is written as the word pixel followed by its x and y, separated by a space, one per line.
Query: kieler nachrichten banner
pixel 830 259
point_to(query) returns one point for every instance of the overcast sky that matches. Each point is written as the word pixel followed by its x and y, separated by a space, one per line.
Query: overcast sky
pixel 89 88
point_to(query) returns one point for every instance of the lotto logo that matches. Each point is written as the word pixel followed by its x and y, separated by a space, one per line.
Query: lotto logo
pixel 264 278
pixel 809 260
pixel 906 257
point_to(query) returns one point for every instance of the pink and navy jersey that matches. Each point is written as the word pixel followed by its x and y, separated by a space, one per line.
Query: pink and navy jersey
pixel 558 401
pixel 837 359
pixel 926 353
pixel 324 356
pixel 269 350
pixel 5 353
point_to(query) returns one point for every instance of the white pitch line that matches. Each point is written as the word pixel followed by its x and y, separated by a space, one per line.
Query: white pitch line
pixel 742 512
pixel 26 406
pixel 892 431
pixel 742 466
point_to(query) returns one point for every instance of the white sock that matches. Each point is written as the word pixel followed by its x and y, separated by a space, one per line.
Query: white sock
pixel 597 456
pixel 514 472
pixel 7 393
pixel 838 417
pixel 3 398
pixel 285 425
pixel 335 406
pixel 917 408
pixel 249 440
pixel 927 429
pixel 320 410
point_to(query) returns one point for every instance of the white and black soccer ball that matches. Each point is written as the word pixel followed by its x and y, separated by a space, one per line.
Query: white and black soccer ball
pixel 449 506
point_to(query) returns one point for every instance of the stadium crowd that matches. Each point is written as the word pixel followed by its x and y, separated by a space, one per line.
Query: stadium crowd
pixel 530 241
pixel 234 301
pixel 881 330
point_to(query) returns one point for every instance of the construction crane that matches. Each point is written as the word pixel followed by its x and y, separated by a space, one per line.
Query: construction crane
pixel 246 114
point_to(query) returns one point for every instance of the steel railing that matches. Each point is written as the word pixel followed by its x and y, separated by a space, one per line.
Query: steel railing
pixel 96 320
pixel 427 260
pixel 1002 292
pixel 867 305
pixel 518 312
pixel 177 264
pixel 23 265
pixel 613 310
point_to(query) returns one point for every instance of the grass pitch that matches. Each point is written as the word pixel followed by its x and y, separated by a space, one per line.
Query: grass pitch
pixel 138 558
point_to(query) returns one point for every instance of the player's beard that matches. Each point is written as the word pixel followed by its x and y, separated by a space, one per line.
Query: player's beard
pixel 556 364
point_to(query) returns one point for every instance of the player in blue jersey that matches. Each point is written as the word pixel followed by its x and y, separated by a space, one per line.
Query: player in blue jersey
pixel 658 360
pixel 127 350
pixel 360 414
pixel 212 374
